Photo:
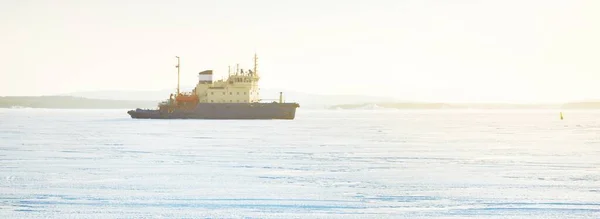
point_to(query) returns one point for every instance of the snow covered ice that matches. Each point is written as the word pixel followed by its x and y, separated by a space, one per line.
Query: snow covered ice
pixel 323 164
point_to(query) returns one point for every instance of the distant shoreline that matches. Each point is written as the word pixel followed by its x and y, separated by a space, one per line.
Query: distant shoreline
pixel 443 106
pixel 71 102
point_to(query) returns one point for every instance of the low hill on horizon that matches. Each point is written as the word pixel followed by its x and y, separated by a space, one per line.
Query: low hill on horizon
pixel 582 105
pixel 306 100
pixel 69 102
pixel 424 105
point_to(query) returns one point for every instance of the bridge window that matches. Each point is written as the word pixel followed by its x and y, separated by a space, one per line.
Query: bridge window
pixel 223 93
pixel 212 101
pixel 212 93
pixel 238 93
pixel 244 93
pixel 230 101
pixel 230 93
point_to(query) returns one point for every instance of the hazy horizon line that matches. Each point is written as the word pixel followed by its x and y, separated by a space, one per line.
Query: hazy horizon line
pixel 392 98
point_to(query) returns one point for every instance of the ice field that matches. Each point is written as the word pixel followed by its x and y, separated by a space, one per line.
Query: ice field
pixel 323 164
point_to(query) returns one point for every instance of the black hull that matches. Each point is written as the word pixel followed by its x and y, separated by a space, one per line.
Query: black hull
pixel 222 111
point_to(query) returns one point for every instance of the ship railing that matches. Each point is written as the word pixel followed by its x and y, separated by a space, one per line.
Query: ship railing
pixel 186 93
pixel 269 101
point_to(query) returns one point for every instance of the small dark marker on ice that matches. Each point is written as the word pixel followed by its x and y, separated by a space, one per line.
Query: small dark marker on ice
pixel 561 116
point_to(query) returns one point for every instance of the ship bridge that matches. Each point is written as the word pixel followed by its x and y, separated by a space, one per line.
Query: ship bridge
pixel 241 86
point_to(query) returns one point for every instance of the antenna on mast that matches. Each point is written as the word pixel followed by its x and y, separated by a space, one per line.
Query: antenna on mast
pixel 177 66
pixel 255 63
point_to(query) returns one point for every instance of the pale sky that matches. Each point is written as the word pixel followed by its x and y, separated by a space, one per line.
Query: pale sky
pixel 452 50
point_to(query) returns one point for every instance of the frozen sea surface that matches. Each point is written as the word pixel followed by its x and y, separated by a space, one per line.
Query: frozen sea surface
pixel 324 164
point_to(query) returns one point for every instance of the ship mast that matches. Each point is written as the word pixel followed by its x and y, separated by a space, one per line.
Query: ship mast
pixel 177 66
pixel 255 64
